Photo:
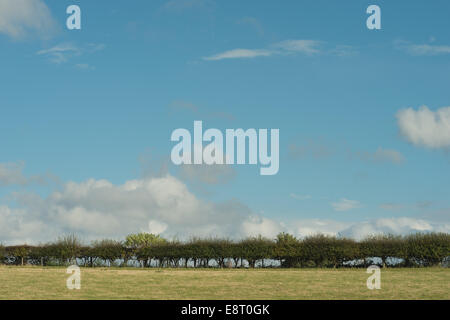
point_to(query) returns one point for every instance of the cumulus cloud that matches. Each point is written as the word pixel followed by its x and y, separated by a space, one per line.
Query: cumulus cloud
pixel 98 208
pixel 164 205
pixel 255 225
pixel 156 227
pixel 345 205
pixel 205 173
pixel 425 127
pixel 19 18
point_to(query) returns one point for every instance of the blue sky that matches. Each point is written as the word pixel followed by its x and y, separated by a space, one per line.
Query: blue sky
pixel 87 113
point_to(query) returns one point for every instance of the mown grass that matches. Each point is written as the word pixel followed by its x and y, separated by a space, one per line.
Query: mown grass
pixel 118 283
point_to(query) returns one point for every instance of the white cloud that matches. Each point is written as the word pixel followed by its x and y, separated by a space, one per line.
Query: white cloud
pixel 97 208
pixel 255 225
pixel 425 127
pixel 18 226
pixel 156 227
pixel 19 18
pixel 204 173
pixel 240 53
pixel 287 47
pixel 397 226
pixel 345 205
pixel 308 47
pixel 309 227
pixel 362 229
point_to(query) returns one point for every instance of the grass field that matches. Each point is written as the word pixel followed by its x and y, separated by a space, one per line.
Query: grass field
pixel 105 283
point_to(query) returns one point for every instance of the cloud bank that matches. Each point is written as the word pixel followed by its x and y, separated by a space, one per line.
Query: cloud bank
pixel 96 209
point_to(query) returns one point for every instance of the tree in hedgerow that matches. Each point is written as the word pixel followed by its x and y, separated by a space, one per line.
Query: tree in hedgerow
pixel 286 250
pixel 66 249
pixel 140 245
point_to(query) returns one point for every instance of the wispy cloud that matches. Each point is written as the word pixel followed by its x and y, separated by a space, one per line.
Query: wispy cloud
pixel 345 205
pixel 60 53
pixel 287 47
pixel 63 52
pixel 422 49
pixel 241 53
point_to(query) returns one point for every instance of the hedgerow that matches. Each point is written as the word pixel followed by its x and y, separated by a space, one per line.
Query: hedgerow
pixel 286 251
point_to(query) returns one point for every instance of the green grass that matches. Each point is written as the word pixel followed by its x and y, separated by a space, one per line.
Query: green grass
pixel 130 283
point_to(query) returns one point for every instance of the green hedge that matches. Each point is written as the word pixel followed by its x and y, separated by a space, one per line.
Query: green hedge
pixel 429 249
